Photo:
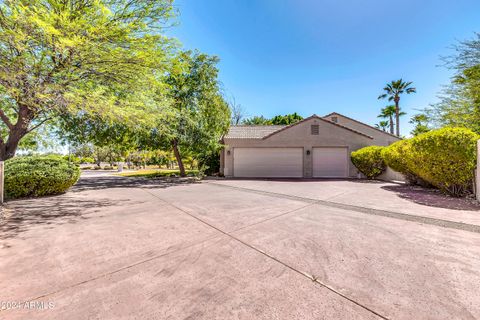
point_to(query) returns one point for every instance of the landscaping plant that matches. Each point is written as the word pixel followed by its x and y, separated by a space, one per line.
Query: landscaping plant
pixel 34 176
pixel 369 161
pixel 445 158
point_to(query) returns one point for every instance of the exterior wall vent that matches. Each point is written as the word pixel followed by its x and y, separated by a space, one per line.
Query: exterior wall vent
pixel 334 119
pixel 314 129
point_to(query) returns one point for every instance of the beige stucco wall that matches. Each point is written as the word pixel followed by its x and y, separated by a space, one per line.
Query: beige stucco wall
pixel 330 135
pixel 391 175
pixel 380 138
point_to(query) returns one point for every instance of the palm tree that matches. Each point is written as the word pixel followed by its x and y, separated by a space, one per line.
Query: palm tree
pixel 387 113
pixel 393 90
pixel 382 125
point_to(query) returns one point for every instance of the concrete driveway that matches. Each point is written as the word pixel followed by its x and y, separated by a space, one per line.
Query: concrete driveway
pixel 120 248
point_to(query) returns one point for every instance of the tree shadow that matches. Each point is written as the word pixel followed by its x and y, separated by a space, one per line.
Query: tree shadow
pixel 107 182
pixel 432 198
pixel 21 215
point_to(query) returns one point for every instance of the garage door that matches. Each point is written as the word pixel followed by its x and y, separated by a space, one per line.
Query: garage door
pixel 268 162
pixel 330 162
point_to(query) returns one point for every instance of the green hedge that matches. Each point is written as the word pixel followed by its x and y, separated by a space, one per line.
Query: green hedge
pixel 369 161
pixel 35 176
pixel 396 156
pixel 445 158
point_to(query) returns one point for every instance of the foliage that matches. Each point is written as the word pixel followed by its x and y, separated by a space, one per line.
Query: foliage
pixel 257 121
pixel 459 104
pixel 277 120
pixel 35 176
pixel 392 92
pixel 197 116
pixel 286 119
pixel 396 156
pixel 388 113
pixel 369 161
pixel 77 58
pixel 445 158
pixel 382 125
pixel 421 124
pixel 155 173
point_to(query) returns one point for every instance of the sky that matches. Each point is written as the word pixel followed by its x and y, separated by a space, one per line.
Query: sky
pixel 320 56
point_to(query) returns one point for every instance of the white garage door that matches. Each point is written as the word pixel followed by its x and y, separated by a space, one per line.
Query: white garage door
pixel 268 162
pixel 330 162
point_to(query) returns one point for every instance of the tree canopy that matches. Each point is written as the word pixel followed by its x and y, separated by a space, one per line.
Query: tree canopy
pixel 84 57
pixel 459 103
pixel 277 120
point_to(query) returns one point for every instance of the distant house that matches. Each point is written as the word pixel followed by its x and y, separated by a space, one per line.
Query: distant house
pixel 315 147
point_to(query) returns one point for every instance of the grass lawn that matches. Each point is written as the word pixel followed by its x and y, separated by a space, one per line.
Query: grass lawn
pixel 152 173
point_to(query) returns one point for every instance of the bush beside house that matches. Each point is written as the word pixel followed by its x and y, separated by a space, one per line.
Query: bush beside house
pixel 444 158
pixel 35 176
pixel 369 161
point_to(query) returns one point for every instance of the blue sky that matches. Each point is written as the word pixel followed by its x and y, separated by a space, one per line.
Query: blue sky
pixel 319 56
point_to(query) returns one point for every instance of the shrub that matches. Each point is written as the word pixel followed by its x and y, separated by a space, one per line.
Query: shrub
pixel 369 161
pixel 86 168
pixel 35 176
pixel 445 158
pixel 87 160
pixel 396 157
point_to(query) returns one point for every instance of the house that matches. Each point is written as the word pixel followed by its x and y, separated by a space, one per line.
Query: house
pixel 315 147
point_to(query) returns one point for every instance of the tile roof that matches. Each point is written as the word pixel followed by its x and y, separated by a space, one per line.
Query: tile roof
pixel 251 132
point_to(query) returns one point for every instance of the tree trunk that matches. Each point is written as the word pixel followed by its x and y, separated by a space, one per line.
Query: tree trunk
pixel 9 148
pixel 178 157
pixel 397 116
pixel 15 133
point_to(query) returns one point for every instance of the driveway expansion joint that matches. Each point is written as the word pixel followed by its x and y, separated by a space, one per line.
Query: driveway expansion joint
pixel 371 211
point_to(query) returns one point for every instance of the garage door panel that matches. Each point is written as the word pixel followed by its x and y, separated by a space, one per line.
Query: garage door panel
pixel 330 162
pixel 268 162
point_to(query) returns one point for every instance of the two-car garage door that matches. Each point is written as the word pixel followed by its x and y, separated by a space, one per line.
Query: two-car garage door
pixel 328 162
pixel 268 162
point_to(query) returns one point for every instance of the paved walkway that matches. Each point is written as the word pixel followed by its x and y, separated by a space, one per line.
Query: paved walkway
pixel 118 248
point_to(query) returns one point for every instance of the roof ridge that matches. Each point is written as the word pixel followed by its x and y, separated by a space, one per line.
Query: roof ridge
pixel 360 122
pixel 320 118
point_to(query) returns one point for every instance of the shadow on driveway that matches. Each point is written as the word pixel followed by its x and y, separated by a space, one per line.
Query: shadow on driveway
pixel 22 214
pixel 432 198
pixel 107 182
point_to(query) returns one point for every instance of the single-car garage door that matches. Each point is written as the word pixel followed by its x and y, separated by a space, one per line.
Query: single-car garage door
pixel 330 162
pixel 268 162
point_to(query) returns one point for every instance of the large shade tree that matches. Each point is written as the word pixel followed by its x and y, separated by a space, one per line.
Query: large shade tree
pixel 76 58
pixel 393 92
pixel 197 115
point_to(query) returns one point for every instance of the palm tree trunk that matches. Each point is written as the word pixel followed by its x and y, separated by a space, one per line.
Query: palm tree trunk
pixel 397 116
pixel 391 124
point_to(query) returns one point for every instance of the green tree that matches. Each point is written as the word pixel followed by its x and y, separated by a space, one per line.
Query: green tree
pixel 459 104
pixel 421 124
pixel 286 119
pixel 382 125
pixel 198 115
pixel 257 120
pixel 66 58
pixel 393 91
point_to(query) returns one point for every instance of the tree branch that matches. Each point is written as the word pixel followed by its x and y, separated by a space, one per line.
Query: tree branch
pixel 5 119
pixel 38 125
